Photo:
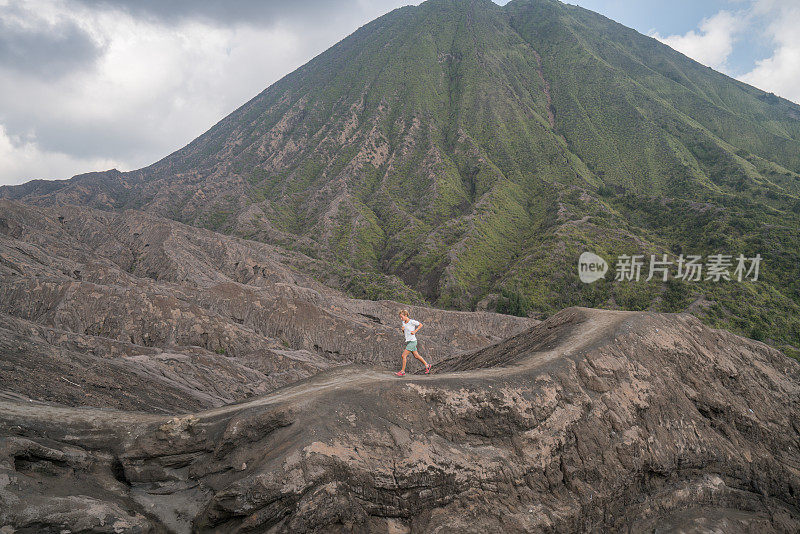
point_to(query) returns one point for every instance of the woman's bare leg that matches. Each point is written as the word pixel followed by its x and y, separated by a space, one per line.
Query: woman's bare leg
pixel 405 355
pixel 417 356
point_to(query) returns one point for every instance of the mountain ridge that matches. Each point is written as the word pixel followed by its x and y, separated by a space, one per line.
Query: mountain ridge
pixel 590 421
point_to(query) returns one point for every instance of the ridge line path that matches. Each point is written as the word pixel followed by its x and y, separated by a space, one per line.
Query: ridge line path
pixel 595 327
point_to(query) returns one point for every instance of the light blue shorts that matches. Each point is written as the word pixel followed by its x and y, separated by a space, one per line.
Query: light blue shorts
pixel 411 346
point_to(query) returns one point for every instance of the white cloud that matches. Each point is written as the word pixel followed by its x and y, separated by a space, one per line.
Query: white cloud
pixel 779 73
pixel 22 158
pixel 152 90
pixel 714 41
pixel 776 20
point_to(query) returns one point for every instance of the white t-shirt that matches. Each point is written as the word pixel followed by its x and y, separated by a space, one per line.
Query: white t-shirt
pixel 409 327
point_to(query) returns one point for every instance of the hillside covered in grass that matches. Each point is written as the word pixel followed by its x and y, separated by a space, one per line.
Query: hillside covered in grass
pixel 464 154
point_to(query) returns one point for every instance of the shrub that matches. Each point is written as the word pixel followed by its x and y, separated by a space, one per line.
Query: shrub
pixel 513 303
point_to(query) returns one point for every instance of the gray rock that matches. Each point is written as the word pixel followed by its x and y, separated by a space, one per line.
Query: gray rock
pixel 590 421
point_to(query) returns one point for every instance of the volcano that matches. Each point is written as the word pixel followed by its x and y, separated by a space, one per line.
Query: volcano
pixel 206 344
pixel 471 152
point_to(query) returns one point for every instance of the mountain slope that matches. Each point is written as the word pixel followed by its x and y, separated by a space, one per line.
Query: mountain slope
pixel 474 151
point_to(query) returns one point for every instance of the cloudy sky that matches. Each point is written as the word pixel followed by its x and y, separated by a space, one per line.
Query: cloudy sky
pixel 94 84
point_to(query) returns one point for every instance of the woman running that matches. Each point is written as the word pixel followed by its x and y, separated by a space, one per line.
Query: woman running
pixel 410 328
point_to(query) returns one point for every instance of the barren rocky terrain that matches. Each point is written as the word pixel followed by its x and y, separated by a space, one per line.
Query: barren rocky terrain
pixel 590 421
pixel 162 378
pixel 127 310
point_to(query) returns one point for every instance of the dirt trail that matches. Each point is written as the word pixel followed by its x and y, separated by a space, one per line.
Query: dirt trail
pixel 597 326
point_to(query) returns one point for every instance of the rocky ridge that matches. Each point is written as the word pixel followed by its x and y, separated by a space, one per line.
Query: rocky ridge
pixel 127 310
pixel 590 421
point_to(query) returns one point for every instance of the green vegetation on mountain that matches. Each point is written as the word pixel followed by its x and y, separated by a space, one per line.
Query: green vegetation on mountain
pixel 462 152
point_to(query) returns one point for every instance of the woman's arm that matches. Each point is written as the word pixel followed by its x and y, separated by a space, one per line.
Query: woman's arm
pixel 417 329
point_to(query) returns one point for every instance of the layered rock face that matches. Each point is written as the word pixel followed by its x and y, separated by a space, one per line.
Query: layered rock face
pixel 590 421
pixel 127 310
